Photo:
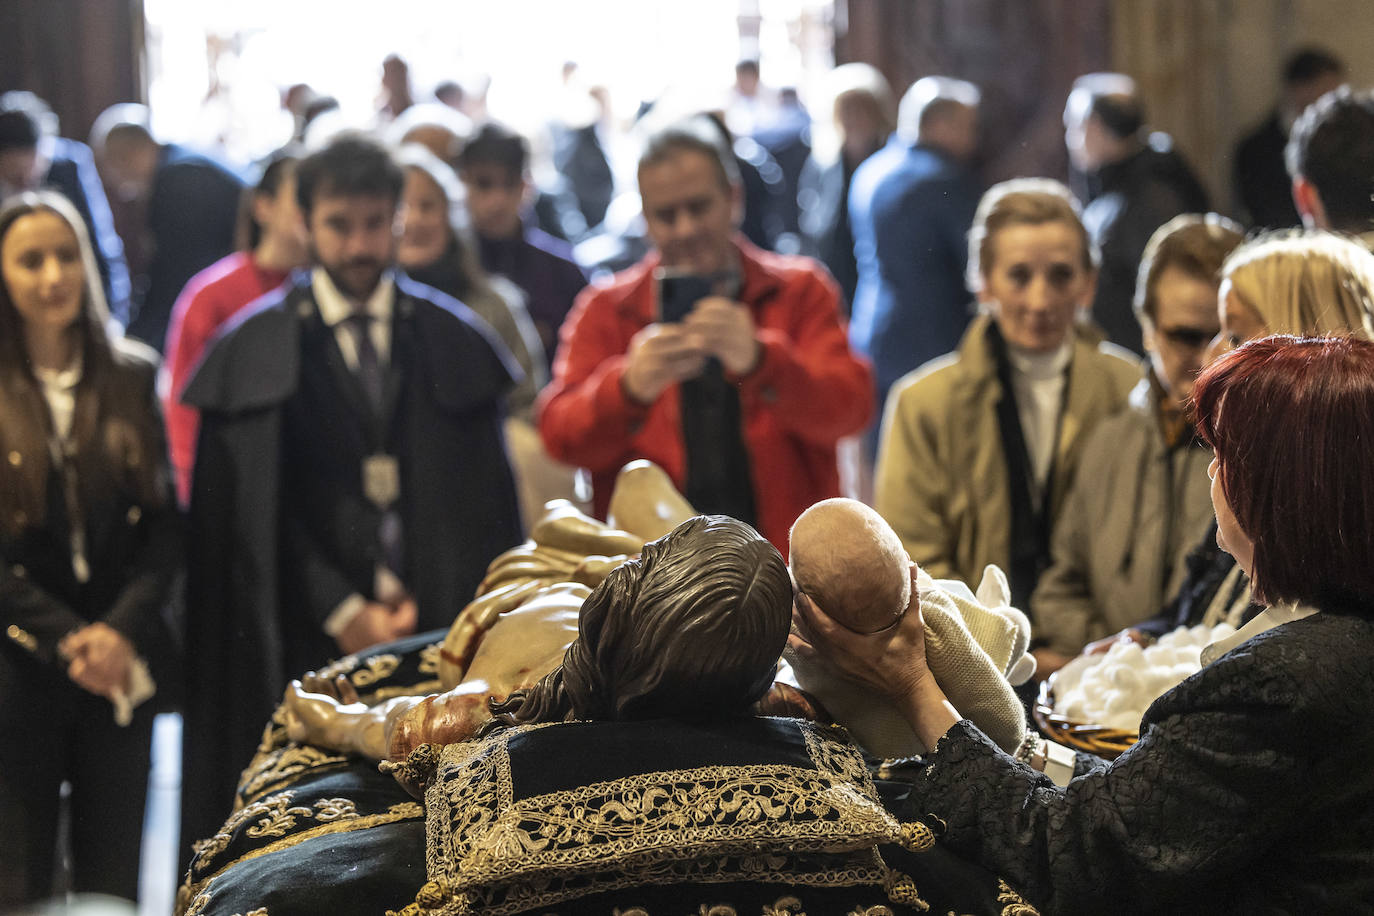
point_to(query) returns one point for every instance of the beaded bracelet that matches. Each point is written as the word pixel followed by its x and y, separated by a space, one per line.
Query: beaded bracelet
pixel 1030 748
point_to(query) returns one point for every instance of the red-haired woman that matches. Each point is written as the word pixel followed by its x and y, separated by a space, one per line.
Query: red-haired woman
pixel 1250 789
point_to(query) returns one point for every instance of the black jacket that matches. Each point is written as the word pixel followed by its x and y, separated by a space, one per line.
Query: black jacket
pixel 1250 791
pixel 132 533
pixel 1133 198
pixel 192 213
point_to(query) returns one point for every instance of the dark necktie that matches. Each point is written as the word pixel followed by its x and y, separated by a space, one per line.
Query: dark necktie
pixel 389 530
pixel 369 364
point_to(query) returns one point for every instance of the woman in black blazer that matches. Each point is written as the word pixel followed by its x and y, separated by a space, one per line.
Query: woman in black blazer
pixel 89 546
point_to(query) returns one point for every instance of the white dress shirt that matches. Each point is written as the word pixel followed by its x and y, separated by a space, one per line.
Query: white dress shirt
pixel 336 308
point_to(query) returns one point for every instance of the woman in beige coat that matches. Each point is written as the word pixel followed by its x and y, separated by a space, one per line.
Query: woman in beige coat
pixel 979 447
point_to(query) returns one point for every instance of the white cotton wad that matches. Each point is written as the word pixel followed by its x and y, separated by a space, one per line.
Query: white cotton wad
pixel 1115 688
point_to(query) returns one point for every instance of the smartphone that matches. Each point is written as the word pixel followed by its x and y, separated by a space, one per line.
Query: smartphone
pixel 678 293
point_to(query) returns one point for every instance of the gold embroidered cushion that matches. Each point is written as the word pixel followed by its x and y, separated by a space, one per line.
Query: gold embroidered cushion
pixel 537 815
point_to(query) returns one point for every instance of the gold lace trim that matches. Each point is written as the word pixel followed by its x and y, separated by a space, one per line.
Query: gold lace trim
pixel 783 906
pixel 860 868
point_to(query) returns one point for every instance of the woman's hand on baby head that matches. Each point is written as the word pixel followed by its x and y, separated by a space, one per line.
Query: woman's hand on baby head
pixel 891 662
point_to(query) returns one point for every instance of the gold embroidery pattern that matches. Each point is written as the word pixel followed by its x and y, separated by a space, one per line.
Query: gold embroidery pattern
pixel 283 819
pixel 275 816
pixel 783 906
pixel 375 669
pixel 861 868
pixel 199 894
pixel 833 752
pixel 916 836
pixel 345 665
pixel 504 856
pixel 429 659
pixel 275 768
pixel 422 689
pixel 901 889
pixel 274 733
pixel 679 810
pixel 1016 905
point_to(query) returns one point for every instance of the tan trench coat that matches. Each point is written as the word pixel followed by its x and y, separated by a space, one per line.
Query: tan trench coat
pixel 941 479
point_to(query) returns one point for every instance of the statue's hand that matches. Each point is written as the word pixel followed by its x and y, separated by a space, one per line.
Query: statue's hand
pixel 316 718
pixel 338 688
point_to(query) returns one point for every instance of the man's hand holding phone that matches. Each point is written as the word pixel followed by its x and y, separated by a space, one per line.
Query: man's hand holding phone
pixel 725 329
pixel 661 355
pixel 695 323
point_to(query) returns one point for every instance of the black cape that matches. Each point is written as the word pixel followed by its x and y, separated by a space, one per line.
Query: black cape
pixel 458 507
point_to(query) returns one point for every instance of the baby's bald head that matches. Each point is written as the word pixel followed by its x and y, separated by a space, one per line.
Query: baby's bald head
pixel 848 560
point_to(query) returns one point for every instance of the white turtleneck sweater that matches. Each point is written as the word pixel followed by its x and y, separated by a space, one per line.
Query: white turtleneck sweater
pixel 1038 381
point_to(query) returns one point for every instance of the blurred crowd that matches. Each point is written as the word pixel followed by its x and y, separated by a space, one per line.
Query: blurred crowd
pixel 257 416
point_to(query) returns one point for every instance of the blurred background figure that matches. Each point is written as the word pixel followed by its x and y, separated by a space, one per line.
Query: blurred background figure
pixel 494 168
pixel 786 135
pixel 180 212
pixel 910 206
pixel 864 115
pixel 1136 182
pixel 450 93
pixel 33 155
pixel 750 102
pixel 579 155
pixel 91 540
pixel 434 252
pixel 271 243
pixel 395 96
pixel 296 100
pixel 761 181
pixel 1260 176
pixel 438 128
pixel 1331 161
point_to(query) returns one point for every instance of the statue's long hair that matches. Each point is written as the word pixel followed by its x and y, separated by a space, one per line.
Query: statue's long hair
pixel 693 628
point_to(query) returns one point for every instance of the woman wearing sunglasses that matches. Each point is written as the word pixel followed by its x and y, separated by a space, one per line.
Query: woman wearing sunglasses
pixel 1139 501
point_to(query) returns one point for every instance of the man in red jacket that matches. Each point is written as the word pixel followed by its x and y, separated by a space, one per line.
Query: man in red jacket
pixel 726 365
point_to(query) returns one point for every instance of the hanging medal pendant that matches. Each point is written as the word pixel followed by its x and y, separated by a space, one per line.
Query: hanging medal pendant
pixel 381 480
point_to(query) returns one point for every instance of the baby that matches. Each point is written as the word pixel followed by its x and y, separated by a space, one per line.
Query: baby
pixel 850 562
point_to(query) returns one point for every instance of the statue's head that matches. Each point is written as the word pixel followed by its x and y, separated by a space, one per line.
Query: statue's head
pixel 693 627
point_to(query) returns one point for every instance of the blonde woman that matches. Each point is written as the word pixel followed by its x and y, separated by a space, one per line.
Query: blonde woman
pixel 1297 282
pixel 979 447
